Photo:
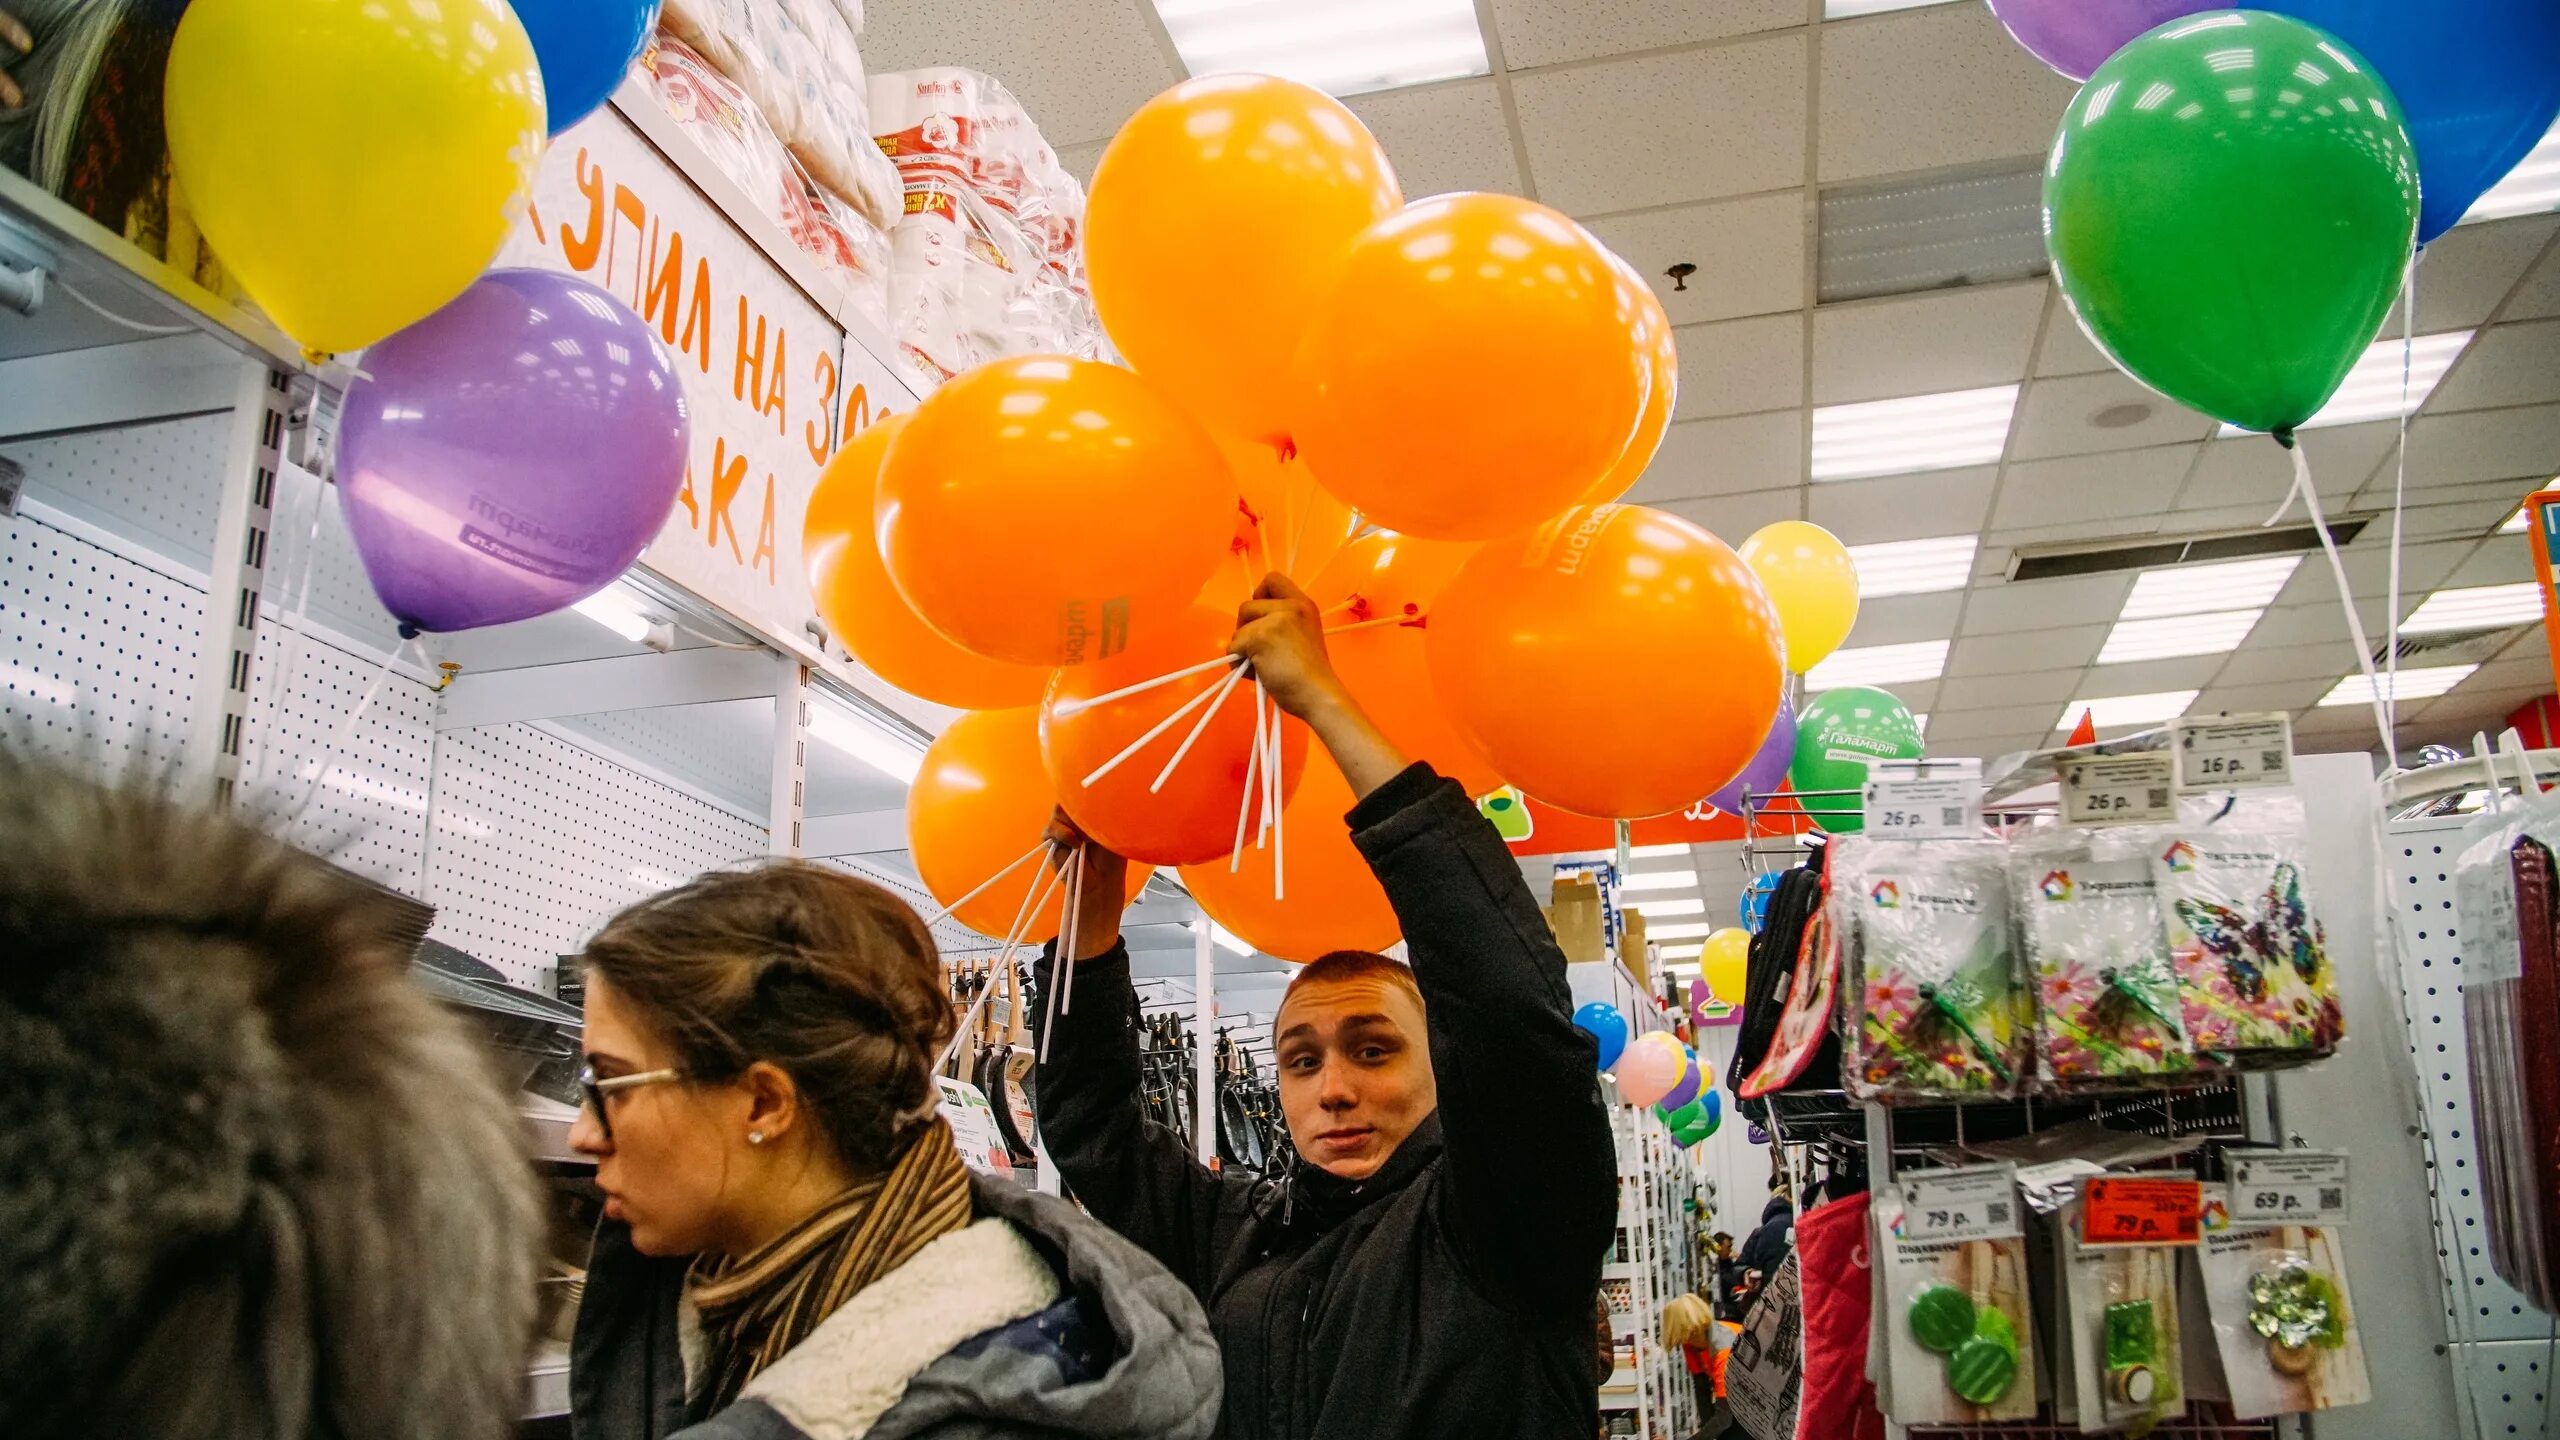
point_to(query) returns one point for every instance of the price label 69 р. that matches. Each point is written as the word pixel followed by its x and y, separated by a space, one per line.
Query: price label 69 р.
pixel 2141 1210
pixel 2118 789
pixel 2287 1187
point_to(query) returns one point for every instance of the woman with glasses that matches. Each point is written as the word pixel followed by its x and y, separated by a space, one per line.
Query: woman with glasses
pixel 791 1247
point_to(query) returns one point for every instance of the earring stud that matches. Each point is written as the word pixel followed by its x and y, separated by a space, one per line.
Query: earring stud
pixel 755 1137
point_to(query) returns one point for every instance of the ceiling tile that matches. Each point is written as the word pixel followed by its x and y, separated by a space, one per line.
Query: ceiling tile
pixel 1903 507
pixel 1958 340
pixel 2090 487
pixel 2150 677
pixel 2081 533
pixel 1694 125
pixel 2290 664
pixel 2050 688
pixel 2491 565
pixel 1734 367
pixel 2067 348
pixel 1732 518
pixel 1929 88
pixel 2254 470
pixel 2517 364
pixel 1725 457
pixel 1555 32
pixel 2539 297
pixel 1957 726
pixel 1993 749
pixel 1079 67
pixel 2258 697
pixel 1749 254
pixel 1917 696
pixel 2059 417
pixel 1906 619
pixel 2008 607
pixel 2368 567
pixel 1443 137
pixel 2485 445
pixel 2468 271
pixel 2056 647
pixel 2473 519
pixel 2320 626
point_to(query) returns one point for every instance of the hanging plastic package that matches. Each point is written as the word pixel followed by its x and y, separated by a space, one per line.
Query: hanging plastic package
pixel 2253 966
pixel 2106 995
pixel 1936 1008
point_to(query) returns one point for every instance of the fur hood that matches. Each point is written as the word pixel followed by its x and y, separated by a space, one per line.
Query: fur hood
pixel 253 1183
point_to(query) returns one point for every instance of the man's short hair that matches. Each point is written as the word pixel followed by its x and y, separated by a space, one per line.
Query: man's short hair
pixel 1345 965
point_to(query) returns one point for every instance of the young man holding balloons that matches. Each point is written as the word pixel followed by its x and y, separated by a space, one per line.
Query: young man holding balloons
pixel 1428 1267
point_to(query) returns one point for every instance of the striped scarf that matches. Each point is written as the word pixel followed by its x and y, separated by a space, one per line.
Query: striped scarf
pixel 755 1310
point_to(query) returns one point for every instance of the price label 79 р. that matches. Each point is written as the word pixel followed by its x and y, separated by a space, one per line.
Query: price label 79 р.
pixel 2118 789
pixel 1978 1202
pixel 2235 754
pixel 2141 1210
pixel 2287 1187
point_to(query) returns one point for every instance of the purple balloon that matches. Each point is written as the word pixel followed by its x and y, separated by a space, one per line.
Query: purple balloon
pixel 1766 770
pixel 512 453
pixel 2076 36
pixel 1687 1090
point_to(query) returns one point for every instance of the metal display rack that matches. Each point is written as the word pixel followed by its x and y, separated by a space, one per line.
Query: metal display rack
pixel 1654 1260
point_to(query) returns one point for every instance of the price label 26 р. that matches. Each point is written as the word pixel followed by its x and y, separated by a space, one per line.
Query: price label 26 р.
pixel 1944 1207
pixel 2118 789
pixel 2287 1187
pixel 2141 1210
pixel 1906 803
pixel 2234 754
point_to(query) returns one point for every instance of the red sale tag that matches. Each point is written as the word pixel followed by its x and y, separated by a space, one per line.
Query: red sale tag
pixel 2140 1210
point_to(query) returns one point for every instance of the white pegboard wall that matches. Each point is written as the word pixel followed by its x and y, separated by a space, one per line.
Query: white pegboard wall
pixel 369 812
pixel 949 936
pixel 98 654
pixel 724 748
pixel 536 843
pixel 158 485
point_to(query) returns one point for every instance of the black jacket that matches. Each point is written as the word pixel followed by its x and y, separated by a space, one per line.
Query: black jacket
pixel 1765 1248
pixel 1450 1294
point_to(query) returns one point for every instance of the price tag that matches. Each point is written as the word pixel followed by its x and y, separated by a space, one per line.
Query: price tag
pixel 2287 1187
pixel 2236 754
pixel 1909 808
pixel 1945 1207
pixel 2141 1210
pixel 2118 789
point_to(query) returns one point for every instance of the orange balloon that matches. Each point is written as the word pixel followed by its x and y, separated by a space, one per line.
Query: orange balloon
pixel 1472 371
pixel 1661 396
pixel 1215 218
pixel 1332 903
pixel 853 593
pixel 1617 662
pixel 1379 576
pixel 1193 818
pixel 1383 573
pixel 1285 521
pixel 982 799
pixel 1049 511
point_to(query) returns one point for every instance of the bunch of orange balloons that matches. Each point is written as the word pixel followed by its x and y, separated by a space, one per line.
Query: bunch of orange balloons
pixel 1425 413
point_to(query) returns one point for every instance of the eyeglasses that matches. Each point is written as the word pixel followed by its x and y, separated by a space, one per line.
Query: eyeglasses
pixel 597 1089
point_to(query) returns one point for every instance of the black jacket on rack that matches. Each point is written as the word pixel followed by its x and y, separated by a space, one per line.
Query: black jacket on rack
pixel 1449 1294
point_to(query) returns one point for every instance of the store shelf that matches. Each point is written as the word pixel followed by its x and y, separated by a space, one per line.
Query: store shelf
pixel 547 1386
pixel 547 1125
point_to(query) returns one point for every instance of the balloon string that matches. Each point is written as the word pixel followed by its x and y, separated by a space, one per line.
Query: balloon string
pixel 1066 708
pixel 293 615
pixel 1279 821
pixel 1023 919
pixel 1217 702
pixel 1180 713
pixel 1025 858
pixel 1262 832
pixel 346 733
pixel 2400 487
pixel 1252 773
pixel 2310 493
pixel 1049 1026
pixel 1068 936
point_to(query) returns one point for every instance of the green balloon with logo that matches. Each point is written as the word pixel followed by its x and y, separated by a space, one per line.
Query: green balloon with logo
pixel 1839 735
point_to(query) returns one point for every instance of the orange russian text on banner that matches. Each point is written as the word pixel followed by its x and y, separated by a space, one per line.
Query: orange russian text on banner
pixel 2141 1210
pixel 2542 511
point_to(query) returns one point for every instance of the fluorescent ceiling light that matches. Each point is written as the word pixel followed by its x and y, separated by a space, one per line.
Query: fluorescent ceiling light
pixel 1914 567
pixel 2119 710
pixel 1228 939
pixel 1345 47
pixel 1920 722
pixel 2479 607
pixel 2522 520
pixel 1653 908
pixel 1880 665
pixel 618 610
pixel 1681 952
pixel 2529 189
pixel 2423 683
pixel 2197 589
pixel 893 755
pixel 1905 437
pixel 1846 9
pixel 2373 389
pixel 1698 931
pixel 1660 880
pixel 2176 635
pixel 1656 852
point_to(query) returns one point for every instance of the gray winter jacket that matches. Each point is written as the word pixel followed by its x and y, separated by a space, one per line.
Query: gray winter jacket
pixel 1033 1323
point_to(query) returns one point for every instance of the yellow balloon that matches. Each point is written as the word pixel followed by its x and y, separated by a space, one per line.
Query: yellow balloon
pixel 1812 581
pixel 1722 962
pixel 356 163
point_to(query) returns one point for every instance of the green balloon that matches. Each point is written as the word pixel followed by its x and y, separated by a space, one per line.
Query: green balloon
pixel 2231 205
pixel 1838 736
pixel 1687 1117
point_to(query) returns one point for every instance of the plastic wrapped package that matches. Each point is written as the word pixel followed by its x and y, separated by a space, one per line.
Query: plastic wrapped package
pixel 2253 966
pixel 1937 1008
pixel 848 242
pixel 2107 1008
pixel 705 28
pixel 717 115
pixel 2284 1320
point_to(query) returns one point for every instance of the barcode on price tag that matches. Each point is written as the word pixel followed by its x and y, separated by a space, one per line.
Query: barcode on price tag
pixel 1945 1207
pixel 1908 807
pixel 2118 789
pixel 2287 1187
pixel 2141 1210
pixel 2235 754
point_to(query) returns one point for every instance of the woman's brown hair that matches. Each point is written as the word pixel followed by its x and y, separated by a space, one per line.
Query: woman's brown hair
pixel 832 978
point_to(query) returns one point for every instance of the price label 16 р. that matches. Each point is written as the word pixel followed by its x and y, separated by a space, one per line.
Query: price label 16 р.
pixel 2234 754
pixel 2141 1210
pixel 1944 1207
pixel 2118 789
pixel 2287 1187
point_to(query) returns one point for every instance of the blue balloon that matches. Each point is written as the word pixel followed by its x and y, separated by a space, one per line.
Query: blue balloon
pixel 586 47
pixel 2478 83
pixel 1755 899
pixel 1604 1024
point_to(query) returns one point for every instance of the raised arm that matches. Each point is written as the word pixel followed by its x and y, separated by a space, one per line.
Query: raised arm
pixel 1532 1170
pixel 1136 1177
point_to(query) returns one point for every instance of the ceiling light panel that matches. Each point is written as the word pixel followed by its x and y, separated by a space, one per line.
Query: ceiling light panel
pixel 1655 908
pixel 1344 47
pixel 2477 607
pixel 2374 389
pixel 895 756
pixel 2529 189
pixel 2109 711
pixel 1698 931
pixel 1660 880
pixel 2176 635
pixel 1905 437
pixel 2202 589
pixel 2522 520
pixel 1914 567
pixel 2423 683
pixel 1907 236
pixel 1880 665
